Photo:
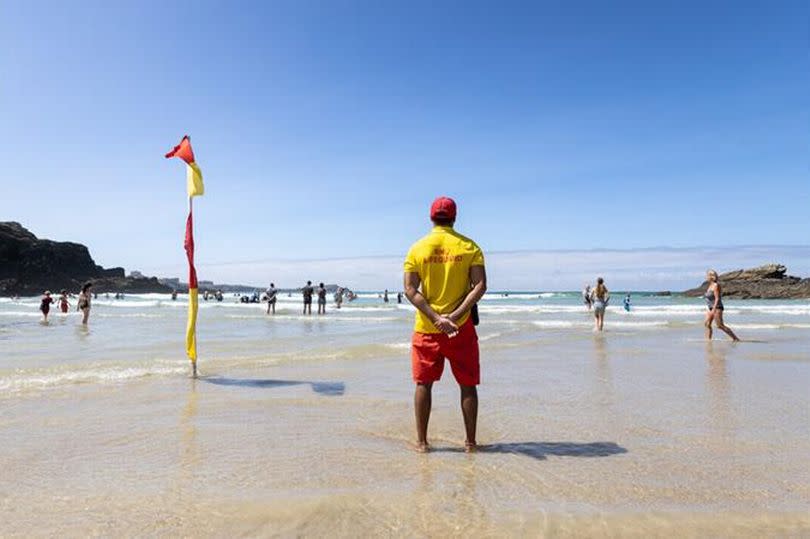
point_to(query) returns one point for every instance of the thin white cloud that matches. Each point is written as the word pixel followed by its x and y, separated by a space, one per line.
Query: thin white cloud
pixel 636 269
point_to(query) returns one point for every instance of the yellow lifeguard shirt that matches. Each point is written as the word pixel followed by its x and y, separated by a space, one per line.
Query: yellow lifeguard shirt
pixel 443 260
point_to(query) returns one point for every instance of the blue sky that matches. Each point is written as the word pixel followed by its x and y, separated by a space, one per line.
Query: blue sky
pixel 324 129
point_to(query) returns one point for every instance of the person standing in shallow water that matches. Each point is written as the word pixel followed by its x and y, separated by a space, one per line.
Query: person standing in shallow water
pixel 600 298
pixel 45 305
pixel 84 302
pixel 714 302
pixel 339 297
pixel 321 299
pixel 444 278
pixel 271 298
pixel 64 304
pixel 308 291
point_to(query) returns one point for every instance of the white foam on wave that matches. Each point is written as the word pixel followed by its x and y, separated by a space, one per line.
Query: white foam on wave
pixel 358 309
pixel 520 296
pixel 771 326
pixel 790 310
pixel 630 324
pixel 556 324
pixel 550 309
pixel 567 324
pixel 128 315
pixel 41 379
pixel 314 317
pixel 125 303
pixel 30 314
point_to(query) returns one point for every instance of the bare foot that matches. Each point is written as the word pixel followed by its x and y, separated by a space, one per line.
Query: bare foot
pixel 422 447
pixel 470 447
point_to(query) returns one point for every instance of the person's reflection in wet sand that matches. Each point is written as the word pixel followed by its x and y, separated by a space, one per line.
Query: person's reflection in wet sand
pixel 470 509
pixel 718 387
pixel 425 491
pixel 446 495
pixel 83 332
pixel 603 381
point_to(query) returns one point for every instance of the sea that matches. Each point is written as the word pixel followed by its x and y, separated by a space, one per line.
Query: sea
pixel 302 426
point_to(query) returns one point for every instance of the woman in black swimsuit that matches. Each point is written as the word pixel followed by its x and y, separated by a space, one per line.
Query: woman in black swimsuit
pixel 45 305
pixel 84 302
pixel 714 301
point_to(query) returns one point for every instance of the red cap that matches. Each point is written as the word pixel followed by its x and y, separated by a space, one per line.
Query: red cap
pixel 444 208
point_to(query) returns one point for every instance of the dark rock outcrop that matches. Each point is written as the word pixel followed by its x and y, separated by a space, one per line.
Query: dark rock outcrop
pixel 29 265
pixel 765 282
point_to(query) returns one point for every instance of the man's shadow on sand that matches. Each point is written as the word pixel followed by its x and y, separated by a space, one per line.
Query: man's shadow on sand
pixel 331 389
pixel 541 450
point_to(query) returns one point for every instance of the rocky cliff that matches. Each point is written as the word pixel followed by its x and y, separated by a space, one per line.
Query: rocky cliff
pixel 29 265
pixel 765 282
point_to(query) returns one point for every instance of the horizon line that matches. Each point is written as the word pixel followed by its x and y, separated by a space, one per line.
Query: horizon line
pixel 524 251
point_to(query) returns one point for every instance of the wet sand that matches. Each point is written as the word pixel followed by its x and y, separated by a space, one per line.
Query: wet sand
pixel 603 441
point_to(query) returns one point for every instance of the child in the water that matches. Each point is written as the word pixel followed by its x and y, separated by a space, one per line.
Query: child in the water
pixel 64 304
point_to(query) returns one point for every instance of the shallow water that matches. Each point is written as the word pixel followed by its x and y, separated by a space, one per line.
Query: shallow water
pixel 301 426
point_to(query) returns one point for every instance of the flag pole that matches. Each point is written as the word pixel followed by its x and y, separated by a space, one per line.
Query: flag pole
pixel 194 186
pixel 194 360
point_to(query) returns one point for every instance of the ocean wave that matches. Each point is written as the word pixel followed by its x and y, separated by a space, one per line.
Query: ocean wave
pixel 27 314
pixel 557 324
pixel 399 346
pixel 522 296
pixel 629 324
pixel 43 379
pixel 770 326
pixel 125 303
pixel 315 317
pixel 491 336
pixel 128 315
pixel 567 324
pixel 504 309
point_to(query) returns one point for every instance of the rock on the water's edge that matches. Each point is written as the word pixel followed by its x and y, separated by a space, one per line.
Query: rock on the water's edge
pixel 29 265
pixel 765 282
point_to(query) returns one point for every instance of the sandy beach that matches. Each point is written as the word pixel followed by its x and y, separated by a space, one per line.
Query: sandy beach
pixel 302 427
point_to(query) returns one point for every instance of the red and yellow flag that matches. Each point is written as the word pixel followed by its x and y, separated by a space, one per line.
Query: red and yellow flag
pixel 194 185
pixel 194 181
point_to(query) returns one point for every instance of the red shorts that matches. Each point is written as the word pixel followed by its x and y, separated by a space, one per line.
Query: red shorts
pixel 429 350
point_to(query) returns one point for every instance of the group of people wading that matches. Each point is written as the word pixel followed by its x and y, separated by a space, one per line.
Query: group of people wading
pixel 63 303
